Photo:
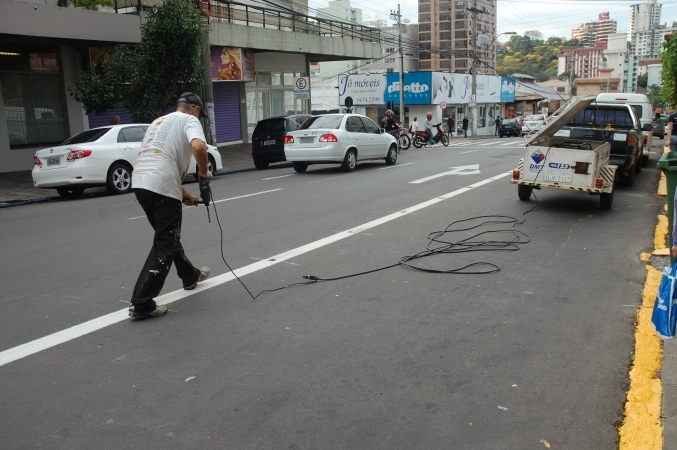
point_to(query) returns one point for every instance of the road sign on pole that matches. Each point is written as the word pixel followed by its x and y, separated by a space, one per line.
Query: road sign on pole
pixel 302 87
pixel 443 105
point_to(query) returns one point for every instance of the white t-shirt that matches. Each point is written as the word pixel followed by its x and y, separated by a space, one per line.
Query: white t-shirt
pixel 414 126
pixel 165 154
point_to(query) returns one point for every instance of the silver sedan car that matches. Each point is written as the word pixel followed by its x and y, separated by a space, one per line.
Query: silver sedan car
pixel 338 139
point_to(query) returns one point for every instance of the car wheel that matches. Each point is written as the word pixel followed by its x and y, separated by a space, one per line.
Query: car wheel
pixel 70 192
pixel 628 180
pixel 350 161
pixel 606 200
pixel 260 165
pixel 299 166
pixel 392 156
pixel 524 192
pixel 445 141
pixel 418 142
pixel 119 180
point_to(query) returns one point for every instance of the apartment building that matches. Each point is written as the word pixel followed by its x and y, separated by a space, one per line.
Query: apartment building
pixel 445 35
pixel 644 16
pixel 584 61
pixel 595 32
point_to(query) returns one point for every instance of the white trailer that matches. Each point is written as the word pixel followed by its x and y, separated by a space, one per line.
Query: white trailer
pixel 553 160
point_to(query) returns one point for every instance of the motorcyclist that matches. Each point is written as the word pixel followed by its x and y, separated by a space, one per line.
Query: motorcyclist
pixel 390 124
pixel 429 127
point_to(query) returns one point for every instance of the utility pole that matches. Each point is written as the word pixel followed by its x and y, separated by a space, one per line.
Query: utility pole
pixel 207 91
pixel 475 61
pixel 396 15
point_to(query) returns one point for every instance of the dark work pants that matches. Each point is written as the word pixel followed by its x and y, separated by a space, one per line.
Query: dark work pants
pixel 164 215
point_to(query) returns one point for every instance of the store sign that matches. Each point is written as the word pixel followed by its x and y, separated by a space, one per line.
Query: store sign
pixel 417 88
pixel 456 88
pixel 231 64
pixel 302 87
pixel 507 90
pixel 363 89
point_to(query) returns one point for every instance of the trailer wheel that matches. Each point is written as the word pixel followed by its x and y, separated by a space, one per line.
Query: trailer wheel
pixel 524 192
pixel 606 200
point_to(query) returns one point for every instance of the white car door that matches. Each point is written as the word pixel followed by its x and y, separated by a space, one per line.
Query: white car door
pixel 380 142
pixel 358 135
pixel 129 141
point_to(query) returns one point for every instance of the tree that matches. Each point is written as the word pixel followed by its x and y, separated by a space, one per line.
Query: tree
pixel 655 95
pixel 642 80
pixel 669 70
pixel 534 35
pixel 151 76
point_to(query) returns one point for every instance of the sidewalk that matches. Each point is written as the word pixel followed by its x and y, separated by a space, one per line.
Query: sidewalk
pixel 17 187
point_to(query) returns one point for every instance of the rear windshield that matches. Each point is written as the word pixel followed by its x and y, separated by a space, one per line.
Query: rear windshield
pixel 509 120
pixel 297 121
pixel 603 117
pixel 87 136
pixel 332 122
pixel 535 117
pixel 270 126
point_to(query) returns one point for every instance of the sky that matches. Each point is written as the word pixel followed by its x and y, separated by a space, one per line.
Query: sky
pixel 550 17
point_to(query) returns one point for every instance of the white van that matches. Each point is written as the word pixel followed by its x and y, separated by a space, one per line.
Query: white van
pixel 642 106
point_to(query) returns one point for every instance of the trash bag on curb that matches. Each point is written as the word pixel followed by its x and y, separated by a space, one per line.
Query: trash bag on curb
pixel 664 315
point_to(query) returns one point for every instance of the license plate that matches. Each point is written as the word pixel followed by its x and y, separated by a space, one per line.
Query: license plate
pixel 558 177
pixel 270 142
pixel 53 161
pixel 307 140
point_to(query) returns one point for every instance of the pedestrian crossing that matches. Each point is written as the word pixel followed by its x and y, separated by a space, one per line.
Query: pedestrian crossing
pixel 487 143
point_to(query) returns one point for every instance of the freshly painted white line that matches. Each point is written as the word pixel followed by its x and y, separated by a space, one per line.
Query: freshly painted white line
pixel 460 170
pixel 400 165
pixel 325 179
pixel 511 143
pixel 486 144
pixel 223 200
pixel 281 176
pixel 469 151
pixel 30 348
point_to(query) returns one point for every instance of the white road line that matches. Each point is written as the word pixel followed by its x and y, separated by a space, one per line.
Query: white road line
pixel 281 176
pixel 60 337
pixel 486 144
pixel 223 200
pixel 469 151
pixel 510 143
pixel 401 165
pixel 325 179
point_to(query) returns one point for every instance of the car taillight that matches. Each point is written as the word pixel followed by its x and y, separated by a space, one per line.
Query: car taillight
pixel 328 138
pixel 77 154
pixel 516 174
pixel 253 145
pixel 599 183
pixel 645 140
pixel 632 139
pixel 36 161
pixel 289 139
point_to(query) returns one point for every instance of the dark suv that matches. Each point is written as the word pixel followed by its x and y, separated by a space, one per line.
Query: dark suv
pixel 268 138
pixel 510 127
pixel 618 125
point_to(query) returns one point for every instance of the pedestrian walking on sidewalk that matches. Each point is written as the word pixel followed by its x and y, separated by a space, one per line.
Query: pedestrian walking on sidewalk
pixel 497 122
pixel 465 126
pixel 165 154
pixel 672 132
pixel 450 124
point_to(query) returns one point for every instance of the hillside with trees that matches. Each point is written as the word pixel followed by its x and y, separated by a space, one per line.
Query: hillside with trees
pixel 532 55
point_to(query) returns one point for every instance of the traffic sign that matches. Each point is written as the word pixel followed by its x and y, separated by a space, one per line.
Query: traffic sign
pixel 443 105
pixel 301 87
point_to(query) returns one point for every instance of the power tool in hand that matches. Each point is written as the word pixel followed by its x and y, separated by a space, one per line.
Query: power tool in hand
pixel 206 195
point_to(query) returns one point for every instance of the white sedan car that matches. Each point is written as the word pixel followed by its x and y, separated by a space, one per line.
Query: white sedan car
pixel 102 156
pixel 338 139
pixel 533 122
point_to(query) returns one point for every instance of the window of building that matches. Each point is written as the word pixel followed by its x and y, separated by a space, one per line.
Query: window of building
pixel 424 65
pixel 446 45
pixel 446 64
pixel 390 70
pixel 445 35
pixel 445 6
pixel 445 25
pixel 445 16
pixel 33 94
pixel 461 34
pixel 461 44
pixel 424 55
pixel 460 63
pixel 423 27
pixel 424 36
pixel 424 17
pixel 560 89
pixel 460 24
pixel 423 8
pixel 460 15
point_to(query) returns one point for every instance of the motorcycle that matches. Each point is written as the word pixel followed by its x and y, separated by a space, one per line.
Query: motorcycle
pixel 421 138
pixel 402 136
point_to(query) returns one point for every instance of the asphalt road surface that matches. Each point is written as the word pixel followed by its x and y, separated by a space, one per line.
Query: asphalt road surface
pixel 398 359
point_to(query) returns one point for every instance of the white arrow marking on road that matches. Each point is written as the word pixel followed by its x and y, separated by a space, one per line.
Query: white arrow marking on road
pixel 469 151
pixel 461 170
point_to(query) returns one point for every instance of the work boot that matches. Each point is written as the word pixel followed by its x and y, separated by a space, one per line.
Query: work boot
pixel 204 273
pixel 159 310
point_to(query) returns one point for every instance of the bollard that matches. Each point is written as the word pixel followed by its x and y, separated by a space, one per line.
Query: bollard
pixel 668 164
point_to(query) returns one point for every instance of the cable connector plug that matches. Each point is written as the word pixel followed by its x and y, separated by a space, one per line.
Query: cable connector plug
pixel 310 277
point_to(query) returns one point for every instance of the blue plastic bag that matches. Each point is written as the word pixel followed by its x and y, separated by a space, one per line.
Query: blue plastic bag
pixel 664 317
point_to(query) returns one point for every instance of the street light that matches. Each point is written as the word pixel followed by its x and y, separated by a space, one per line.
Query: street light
pixel 475 62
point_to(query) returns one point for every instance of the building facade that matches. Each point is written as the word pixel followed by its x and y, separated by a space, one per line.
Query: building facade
pixel 445 35
pixel 644 16
pixel 584 61
pixel 592 33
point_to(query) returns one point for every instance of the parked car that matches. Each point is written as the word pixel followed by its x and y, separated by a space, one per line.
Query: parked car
pixel 510 127
pixel 338 139
pixel 533 122
pixel 642 106
pixel 102 156
pixel 617 124
pixel 658 129
pixel 268 138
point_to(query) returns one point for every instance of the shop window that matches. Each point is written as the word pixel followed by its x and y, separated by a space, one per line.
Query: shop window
pixel 276 79
pixel 263 78
pixel 288 79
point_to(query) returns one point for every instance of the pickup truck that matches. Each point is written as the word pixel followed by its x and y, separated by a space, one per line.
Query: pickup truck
pixel 616 124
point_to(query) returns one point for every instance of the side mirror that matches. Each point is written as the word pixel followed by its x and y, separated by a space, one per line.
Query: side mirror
pixel 381 130
pixel 647 127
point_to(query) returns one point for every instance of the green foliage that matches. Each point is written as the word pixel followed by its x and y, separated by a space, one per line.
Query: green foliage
pixel 532 55
pixel 655 94
pixel 88 4
pixel 149 78
pixel 669 71
pixel 642 80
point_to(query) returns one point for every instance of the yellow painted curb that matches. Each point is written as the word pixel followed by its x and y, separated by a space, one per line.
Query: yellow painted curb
pixel 663 186
pixel 642 428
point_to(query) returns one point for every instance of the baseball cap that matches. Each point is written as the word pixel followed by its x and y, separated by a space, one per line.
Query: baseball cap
pixel 190 98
